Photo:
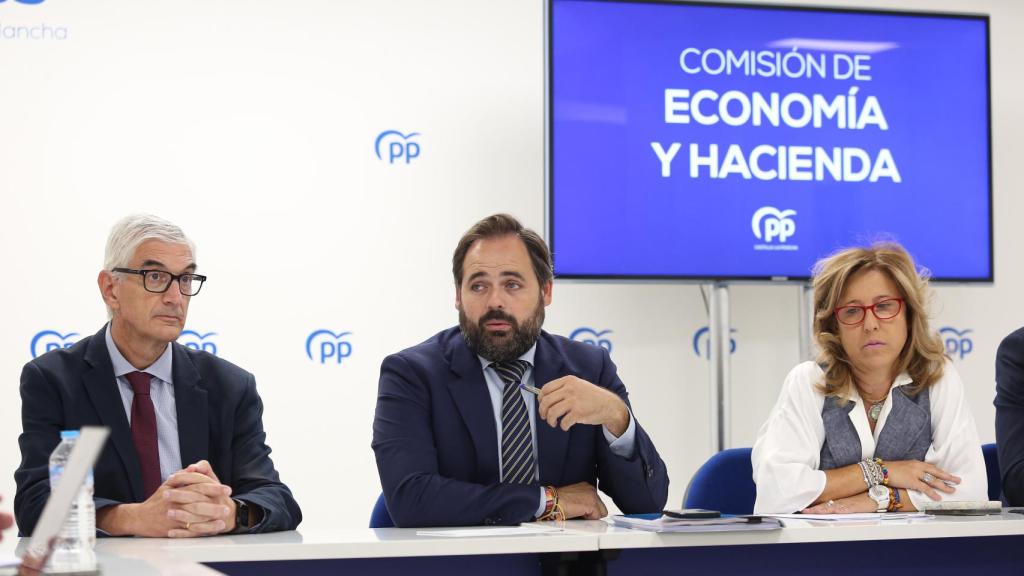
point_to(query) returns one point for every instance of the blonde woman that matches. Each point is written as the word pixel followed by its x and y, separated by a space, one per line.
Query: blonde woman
pixel 880 422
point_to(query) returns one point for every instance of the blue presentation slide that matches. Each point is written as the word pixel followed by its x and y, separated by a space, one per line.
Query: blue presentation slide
pixel 703 141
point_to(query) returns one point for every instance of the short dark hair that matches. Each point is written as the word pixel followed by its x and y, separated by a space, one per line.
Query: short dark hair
pixel 504 225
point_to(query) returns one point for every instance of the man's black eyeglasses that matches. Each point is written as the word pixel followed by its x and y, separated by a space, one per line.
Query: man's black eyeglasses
pixel 159 281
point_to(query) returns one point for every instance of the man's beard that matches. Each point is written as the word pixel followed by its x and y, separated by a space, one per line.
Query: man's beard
pixel 510 344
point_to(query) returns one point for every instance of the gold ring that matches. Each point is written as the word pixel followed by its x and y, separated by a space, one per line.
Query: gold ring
pixel 188 525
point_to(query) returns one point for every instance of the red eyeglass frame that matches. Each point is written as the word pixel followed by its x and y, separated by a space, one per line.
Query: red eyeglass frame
pixel 865 311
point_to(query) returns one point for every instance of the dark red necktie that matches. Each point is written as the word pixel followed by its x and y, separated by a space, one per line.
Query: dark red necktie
pixel 144 432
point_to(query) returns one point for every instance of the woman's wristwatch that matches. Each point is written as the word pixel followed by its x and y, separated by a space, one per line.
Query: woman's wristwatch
pixel 880 494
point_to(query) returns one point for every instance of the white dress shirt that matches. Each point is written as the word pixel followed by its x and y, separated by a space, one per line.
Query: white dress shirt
pixel 788 447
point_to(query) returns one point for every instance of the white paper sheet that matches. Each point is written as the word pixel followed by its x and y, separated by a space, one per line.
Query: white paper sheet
pixel 522 530
pixel 860 517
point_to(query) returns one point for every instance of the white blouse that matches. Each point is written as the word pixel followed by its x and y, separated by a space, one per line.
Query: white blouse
pixel 788 448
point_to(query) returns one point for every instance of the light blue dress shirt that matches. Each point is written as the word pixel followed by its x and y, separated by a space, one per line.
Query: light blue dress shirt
pixel 622 446
pixel 161 389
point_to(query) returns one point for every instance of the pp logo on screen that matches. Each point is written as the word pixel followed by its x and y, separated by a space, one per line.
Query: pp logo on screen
pixel 958 343
pixel 196 341
pixel 46 340
pixel 702 343
pixel 591 336
pixel 396 146
pixel 324 346
pixel 772 224
pixel 25 1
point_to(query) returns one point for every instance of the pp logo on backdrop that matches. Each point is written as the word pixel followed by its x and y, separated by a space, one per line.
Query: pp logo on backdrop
pixel 772 224
pixel 25 1
pixel 958 343
pixel 397 146
pixel 591 336
pixel 46 340
pixel 196 341
pixel 324 346
pixel 702 342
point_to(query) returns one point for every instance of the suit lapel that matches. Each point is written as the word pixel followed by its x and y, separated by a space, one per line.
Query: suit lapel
pixel 190 401
pixel 101 386
pixel 552 443
pixel 469 392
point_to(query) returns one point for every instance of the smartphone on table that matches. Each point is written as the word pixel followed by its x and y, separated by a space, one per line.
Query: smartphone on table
pixel 691 513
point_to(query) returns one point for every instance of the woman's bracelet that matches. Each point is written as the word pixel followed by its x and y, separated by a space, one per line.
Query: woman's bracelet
pixel 864 473
pixel 894 500
pixel 885 471
pixel 874 472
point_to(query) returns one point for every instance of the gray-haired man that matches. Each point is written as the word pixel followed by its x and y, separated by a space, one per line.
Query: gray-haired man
pixel 187 455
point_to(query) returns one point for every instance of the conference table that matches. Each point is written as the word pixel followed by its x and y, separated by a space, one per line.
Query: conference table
pixel 991 544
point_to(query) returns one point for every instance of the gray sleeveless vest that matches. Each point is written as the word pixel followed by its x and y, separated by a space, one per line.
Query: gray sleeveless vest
pixel 907 434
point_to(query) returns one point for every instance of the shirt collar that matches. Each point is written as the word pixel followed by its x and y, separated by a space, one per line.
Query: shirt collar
pixel 161 369
pixel 527 356
pixel 903 379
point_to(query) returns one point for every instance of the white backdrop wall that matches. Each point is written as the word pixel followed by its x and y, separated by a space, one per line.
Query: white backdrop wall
pixel 253 126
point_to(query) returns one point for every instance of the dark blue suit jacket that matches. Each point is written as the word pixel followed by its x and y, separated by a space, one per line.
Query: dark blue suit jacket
pixel 1010 416
pixel 220 419
pixel 436 444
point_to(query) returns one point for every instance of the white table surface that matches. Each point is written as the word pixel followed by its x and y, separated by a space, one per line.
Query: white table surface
pixel 141 559
pixel 173 557
pixel 361 543
pixel 803 531
pixel 165 557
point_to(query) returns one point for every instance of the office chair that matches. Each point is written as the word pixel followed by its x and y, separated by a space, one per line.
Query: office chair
pixel 995 482
pixel 380 517
pixel 724 483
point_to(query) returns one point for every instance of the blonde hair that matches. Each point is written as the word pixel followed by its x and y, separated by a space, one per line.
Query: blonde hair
pixel 922 356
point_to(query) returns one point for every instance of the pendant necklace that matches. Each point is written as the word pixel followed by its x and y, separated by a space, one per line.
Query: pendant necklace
pixel 876 410
pixel 875 407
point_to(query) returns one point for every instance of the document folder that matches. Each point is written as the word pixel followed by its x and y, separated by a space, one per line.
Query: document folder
pixel 726 523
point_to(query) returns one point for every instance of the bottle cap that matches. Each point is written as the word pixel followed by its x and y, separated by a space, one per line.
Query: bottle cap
pixel 69 434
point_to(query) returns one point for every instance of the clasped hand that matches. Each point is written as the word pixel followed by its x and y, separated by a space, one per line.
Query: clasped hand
pixel 198 502
pixel 191 502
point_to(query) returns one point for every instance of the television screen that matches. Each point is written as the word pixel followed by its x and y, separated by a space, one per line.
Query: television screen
pixel 715 141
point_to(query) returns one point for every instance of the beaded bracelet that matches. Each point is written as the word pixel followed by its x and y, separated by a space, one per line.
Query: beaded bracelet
pixel 894 500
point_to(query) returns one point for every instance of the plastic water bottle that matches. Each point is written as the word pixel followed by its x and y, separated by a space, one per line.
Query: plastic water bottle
pixel 73 551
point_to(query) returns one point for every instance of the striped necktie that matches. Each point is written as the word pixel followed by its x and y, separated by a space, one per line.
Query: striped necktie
pixel 517 462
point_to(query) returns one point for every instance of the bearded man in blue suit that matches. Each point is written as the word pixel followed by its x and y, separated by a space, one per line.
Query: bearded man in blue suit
pixel 496 421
